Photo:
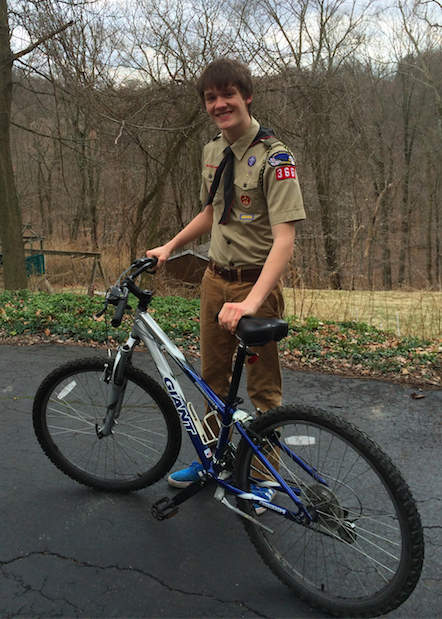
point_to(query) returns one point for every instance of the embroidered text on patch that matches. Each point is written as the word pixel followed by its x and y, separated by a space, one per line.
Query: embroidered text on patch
pixel 246 217
pixel 284 172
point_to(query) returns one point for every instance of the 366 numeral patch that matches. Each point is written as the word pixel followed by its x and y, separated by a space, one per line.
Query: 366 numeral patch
pixel 285 171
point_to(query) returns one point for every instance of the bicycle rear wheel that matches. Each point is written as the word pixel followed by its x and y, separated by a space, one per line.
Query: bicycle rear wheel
pixel 71 403
pixel 362 555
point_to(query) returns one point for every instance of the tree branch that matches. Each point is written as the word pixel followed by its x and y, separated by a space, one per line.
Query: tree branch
pixel 41 40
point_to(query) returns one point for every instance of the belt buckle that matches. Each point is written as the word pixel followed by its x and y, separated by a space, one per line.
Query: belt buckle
pixel 224 273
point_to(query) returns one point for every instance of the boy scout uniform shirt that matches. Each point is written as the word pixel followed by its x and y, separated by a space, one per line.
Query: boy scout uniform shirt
pixel 246 239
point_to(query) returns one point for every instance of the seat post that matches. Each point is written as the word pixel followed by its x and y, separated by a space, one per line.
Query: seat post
pixel 236 376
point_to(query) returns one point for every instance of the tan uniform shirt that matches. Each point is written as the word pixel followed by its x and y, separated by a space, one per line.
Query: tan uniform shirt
pixel 267 192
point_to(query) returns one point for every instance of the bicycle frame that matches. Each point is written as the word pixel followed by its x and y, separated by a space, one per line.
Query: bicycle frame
pixel 112 427
pixel 147 330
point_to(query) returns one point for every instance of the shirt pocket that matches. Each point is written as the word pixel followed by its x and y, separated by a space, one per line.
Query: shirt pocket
pixel 207 176
pixel 249 194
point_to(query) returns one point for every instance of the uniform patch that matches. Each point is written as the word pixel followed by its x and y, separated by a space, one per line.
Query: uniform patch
pixel 251 161
pixel 282 158
pixel 246 217
pixel 246 200
pixel 285 171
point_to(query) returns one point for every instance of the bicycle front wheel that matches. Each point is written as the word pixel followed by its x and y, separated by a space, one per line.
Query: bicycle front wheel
pixel 362 554
pixel 71 404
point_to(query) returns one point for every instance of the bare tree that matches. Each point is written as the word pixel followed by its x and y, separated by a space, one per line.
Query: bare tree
pixel 308 43
pixel 421 21
pixel 10 218
pixel 164 48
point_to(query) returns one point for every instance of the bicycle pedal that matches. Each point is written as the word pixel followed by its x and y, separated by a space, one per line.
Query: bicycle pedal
pixel 164 508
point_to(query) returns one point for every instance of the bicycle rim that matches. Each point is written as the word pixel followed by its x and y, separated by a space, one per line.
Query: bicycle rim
pixel 71 405
pixel 363 554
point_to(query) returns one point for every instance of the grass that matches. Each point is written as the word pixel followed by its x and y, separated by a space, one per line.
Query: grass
pixel 417 313
pixel 345 347
pixel 402 312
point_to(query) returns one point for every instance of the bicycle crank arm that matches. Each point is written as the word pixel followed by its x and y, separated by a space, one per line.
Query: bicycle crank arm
pixel 166 507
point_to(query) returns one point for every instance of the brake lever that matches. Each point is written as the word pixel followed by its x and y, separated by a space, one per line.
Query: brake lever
pixel 113 297
pixel 106 304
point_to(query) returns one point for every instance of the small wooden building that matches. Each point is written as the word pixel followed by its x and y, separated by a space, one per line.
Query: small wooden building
pixel 189 265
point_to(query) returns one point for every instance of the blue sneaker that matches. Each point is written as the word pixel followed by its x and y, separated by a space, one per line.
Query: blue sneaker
pixel 185 477
pixel 268 494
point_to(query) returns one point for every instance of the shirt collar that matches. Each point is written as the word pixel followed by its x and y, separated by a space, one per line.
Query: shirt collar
pixel 241 146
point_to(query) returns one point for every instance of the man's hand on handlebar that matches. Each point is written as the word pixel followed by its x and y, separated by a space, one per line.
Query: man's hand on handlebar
pixel 161 253
pixel 118 295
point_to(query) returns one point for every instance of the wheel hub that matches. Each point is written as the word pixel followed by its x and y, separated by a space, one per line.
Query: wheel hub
pixel 327 506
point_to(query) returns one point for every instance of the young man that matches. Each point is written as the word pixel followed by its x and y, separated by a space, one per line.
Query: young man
pixel 251 200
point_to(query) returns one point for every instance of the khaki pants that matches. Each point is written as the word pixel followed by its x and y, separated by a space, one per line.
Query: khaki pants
pixel 218 345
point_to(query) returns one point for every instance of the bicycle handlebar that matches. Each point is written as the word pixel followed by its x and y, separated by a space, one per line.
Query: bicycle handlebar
pixel 118 295
pixel 121 307
pixel 143 264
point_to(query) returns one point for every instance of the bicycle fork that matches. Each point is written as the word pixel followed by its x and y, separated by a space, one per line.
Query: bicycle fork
pixel 117 390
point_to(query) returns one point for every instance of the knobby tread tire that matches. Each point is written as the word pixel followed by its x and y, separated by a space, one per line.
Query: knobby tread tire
pixel 147 386
pixel 409 570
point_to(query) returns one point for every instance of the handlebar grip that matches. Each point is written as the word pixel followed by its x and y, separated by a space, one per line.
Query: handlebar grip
pixel 120 309
pixel 144 264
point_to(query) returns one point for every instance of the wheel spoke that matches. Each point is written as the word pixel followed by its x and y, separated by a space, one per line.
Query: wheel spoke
pixel 354 550
pixel 141 447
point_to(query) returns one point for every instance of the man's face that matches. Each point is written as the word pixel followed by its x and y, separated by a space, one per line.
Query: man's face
pixel 228 110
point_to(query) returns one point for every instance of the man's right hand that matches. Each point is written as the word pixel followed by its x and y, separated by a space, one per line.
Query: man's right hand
pixel 161 253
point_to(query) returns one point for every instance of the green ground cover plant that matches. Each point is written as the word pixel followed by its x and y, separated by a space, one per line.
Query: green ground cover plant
pixel 69 316
pixel 344 347
pixel 358 348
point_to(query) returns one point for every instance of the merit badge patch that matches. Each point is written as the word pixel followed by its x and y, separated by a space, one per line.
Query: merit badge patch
pixel 251 161
pixel 283 158
pixel 285 171
pixel 246 217
pixel 246 200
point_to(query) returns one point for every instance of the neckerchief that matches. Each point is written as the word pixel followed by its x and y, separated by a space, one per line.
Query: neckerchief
pixel 227 163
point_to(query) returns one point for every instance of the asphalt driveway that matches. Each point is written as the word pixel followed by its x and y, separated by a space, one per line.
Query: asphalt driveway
pixel 66 551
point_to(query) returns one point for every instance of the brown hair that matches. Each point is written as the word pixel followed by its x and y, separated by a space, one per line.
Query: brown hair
pixel 225 72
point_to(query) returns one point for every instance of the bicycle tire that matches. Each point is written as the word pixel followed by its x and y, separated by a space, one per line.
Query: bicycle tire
pixel 71 404
pixel 363 556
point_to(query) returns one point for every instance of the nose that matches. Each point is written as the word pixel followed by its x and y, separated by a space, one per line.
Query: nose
pixel 220 102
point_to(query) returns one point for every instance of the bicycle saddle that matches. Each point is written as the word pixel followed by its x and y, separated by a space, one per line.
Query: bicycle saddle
pixel 255 331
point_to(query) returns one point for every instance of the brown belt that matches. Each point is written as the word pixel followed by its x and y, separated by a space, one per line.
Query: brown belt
pixel 235 275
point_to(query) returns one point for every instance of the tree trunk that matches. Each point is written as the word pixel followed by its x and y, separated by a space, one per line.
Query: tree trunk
pixel 14 266
pixel 153 194
pixel 328 227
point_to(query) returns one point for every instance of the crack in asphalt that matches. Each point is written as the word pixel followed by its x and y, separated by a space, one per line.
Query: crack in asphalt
pixel 27 588
pixel 162 583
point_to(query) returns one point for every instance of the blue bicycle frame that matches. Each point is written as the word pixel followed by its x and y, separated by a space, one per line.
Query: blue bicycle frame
pixel 157 342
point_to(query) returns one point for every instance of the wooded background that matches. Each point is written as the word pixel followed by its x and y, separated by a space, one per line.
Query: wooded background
pixel 107 129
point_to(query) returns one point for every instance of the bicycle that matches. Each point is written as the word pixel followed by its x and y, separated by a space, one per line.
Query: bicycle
pixel 342 530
